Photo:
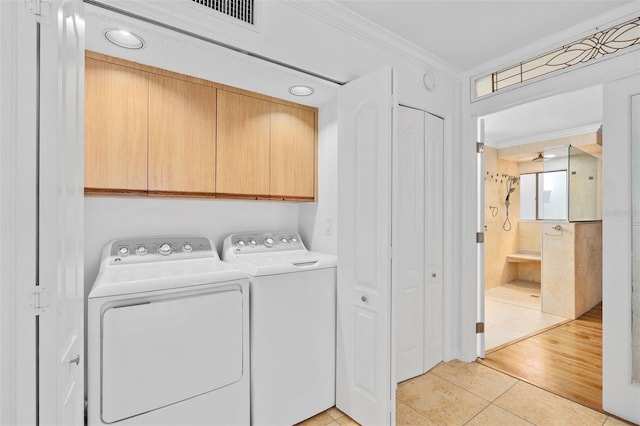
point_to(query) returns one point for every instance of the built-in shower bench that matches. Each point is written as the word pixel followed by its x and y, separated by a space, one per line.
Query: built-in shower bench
pixel 529 256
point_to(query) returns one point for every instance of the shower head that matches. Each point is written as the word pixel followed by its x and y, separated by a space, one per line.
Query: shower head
pixel 506 200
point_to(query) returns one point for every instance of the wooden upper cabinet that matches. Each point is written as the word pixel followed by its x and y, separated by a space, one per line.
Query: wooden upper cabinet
pixel 116 102
pixel 293 153
pixel 182 132
pixel 243 145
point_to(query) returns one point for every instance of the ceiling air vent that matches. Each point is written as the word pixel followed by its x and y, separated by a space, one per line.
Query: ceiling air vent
pixel 241 10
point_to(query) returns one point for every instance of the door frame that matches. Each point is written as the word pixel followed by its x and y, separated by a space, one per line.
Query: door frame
pixel 608 70
pixel 611 69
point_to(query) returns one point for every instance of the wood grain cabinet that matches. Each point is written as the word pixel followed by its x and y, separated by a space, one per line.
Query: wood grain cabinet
pixel 243 146
pixel 116 100
pixel 293 153
pixel 182 137
pixel 153 132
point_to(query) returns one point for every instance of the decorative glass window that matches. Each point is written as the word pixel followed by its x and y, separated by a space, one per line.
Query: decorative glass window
pixel 594 46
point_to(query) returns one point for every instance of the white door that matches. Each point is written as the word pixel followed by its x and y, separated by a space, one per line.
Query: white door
pixel 480 253
pixel 18 106
pixel 365 382
pixel 620 395
pixel 417 242
pixel 409 244
pixel 61 225
pixel 433 241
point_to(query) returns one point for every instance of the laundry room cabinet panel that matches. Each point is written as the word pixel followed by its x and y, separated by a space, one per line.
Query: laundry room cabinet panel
pixel 116 111
pixel 154 132
pixel 182 137
pixel 293 153
pixel 243 146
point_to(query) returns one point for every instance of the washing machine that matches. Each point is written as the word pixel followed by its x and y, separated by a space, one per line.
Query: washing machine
pixel 168 336
pixel 293 320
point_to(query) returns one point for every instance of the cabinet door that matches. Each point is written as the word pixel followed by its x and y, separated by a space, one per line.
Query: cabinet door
pixel 116 102
pixel 293 153
pixel 242 146
pixel 182 131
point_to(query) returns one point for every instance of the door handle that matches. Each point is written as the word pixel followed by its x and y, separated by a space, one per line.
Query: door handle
pixel 75 360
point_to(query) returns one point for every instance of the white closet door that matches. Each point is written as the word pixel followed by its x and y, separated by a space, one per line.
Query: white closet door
pixel 61 213
pixel 433 240
pixel 365 382
pixel 409 243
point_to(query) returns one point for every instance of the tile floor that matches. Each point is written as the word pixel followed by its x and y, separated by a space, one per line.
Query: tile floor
pixel 512 311
pixel 457 393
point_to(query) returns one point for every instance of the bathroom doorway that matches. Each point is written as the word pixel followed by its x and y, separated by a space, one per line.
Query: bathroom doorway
pixel 542 224
pixel 542 214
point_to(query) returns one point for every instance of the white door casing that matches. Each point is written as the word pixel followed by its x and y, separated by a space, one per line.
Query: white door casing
pixel 365 382
pixel 619 395
pixel 480 342
pixel 61 195
pixel 409 244
pixel 433 241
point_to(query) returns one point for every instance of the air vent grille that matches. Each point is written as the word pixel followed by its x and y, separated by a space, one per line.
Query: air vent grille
pixel 242 10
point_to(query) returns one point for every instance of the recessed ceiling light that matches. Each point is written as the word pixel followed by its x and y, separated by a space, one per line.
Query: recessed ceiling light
pixel 300 90
pixel 549 156
pixel 124 39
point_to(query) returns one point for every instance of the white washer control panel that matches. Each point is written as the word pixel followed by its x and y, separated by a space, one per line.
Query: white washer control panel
pixel 143 250
pixel 260 242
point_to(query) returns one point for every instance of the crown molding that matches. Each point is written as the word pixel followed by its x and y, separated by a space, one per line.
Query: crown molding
pixel 346 20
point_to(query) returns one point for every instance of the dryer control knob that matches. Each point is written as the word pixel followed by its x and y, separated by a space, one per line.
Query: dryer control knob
pixel 294 240
pixel 124 251
pixel 240 244
pixel 187 248
pixel 268 242
pixel 142 250
pixel 165 249
pixel 283 241
pixel 252 243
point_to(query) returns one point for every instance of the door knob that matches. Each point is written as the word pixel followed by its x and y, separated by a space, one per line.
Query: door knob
pixel 434 275
pixel 364 299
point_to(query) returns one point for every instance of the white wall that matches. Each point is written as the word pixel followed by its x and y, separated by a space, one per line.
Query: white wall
pixel 110 218
pixel 314 216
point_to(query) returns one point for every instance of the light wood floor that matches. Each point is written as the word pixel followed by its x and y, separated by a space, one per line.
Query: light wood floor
pixel 565 360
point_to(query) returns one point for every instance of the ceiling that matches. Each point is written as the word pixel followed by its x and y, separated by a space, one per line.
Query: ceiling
pixel 550 118
pixel 467 33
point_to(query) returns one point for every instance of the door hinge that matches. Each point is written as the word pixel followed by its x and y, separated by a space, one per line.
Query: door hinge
pixel 39 300
pixel 41 9
pixel 479 327
pixel 479 237
pixel 479 147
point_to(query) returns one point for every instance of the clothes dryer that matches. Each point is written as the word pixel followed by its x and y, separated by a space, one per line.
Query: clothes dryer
pixel 168 336
pixel 293 320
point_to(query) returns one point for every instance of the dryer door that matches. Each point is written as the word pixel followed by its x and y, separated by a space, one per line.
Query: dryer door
pixel 165 351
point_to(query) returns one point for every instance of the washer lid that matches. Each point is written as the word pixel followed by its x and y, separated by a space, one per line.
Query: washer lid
pixel 118 280
pixel 282 262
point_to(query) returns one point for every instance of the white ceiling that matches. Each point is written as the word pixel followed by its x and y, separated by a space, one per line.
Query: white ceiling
pixel 469 33
pixel 332 40
pixel 563 115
